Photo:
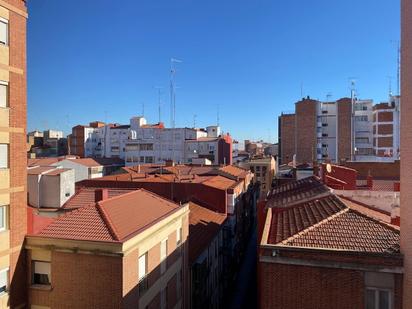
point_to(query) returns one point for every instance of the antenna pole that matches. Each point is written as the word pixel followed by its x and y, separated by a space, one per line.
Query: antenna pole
pixel 399 68
pixel 218 116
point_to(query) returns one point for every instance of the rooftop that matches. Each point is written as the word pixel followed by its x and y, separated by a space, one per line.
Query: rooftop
pixel 308 215
pixel 113 220
pixel 204 225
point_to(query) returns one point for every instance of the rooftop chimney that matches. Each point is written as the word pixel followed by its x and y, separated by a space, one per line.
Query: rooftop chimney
pixel 406 150
pixel 101 195
pixel 170 163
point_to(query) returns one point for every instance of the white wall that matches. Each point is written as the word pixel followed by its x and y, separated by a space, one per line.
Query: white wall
pixel 81 172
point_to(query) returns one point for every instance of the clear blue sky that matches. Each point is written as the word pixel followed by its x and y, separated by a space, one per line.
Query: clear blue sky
pixel 101 59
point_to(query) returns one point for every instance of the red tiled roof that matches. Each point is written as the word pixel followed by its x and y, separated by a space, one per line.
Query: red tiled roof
pixel 86 196
pixel 219 182
pixel 349 230
pixel 89 162
pixel 57 171
pixel 114 219
pixel 41 161
pixel 295 192
pixel 39 170
pixel 322 220
pixel 234 170
pixel 204 225
pixel 288 221
pixel 85 223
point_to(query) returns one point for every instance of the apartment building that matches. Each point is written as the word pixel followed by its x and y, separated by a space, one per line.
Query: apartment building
pixel 143 143
pixel 13 18
pixel 128 251
pixel 386 128
pixel 208 265
pixel 49 143
pixel 227 190
pixel 339 130
pixel 320 251
pixel 264 170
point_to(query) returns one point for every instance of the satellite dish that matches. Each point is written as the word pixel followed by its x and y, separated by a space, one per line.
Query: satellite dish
pixel 328 168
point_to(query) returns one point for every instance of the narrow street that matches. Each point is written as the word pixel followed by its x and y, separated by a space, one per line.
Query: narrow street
pixel 245 293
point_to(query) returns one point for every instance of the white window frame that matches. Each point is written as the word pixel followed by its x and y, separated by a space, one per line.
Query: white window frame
pixel 5 21
pixel 33 272
pixel 6 84
pixel 4 223
pixel 139 273
pixel 7 156
pixel 376 291
pixel 6 271
pixel 179 234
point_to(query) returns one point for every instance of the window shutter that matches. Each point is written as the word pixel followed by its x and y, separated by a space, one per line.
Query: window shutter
pixel 42 268
pixel 142 267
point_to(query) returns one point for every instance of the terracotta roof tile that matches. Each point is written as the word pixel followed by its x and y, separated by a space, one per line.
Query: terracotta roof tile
pixel 114 219
pixel 86 196
pixel 204 225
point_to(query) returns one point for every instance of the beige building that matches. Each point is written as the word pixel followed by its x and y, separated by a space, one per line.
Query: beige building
pixel 264 170
pixel 128 251
pixel 13 15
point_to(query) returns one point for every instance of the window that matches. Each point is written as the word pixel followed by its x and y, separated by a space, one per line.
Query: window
pixel 41 273
pixel 361 118
pixel 4 280
pixel 179 236
pixel 4 31
pixel 378 298
pixel 163 255
pixel 3 94
pixel 142 273
pixel 3 218
pixel 4 156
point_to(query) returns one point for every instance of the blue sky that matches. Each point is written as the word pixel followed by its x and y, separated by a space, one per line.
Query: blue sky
pixel 102 59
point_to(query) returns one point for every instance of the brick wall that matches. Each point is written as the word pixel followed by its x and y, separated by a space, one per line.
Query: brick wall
pixel 406 146
pixel 390 170
pixel 344 107
pixel 17 156
pixel 82 281
pixel 306 136
pixel 286 137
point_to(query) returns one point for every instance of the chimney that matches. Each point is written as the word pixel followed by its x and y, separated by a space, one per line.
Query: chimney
pixel 101 195
pixel 170 163
pixel 406 148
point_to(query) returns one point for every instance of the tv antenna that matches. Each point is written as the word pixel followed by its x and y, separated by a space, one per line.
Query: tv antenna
pixel 159 101
pixel 173 62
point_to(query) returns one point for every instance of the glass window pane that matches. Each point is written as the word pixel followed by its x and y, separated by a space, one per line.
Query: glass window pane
pixel 3 95
pixel 370 299
pixel 3 33
pixel 384 300
pixel 2 217
pixel 4 157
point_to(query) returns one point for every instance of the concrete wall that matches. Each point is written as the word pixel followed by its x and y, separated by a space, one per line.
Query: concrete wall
pixel 81 172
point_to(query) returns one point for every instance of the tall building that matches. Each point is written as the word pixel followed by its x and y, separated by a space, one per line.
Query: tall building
pixel 335 131
pixel 406 144
pixel 13 16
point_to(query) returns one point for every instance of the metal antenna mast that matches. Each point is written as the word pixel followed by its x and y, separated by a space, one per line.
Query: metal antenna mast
pixel 173 62
pixel 218 116
pixel 194 120
pixel 399 69
pixel 159 101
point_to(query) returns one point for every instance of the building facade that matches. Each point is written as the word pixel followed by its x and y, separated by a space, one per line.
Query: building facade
pixel 109 255
pixel 142 143
pixel 406 144
pixel 13 18
pixel 340 131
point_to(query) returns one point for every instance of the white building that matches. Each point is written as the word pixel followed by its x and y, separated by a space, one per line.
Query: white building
pixel 140 143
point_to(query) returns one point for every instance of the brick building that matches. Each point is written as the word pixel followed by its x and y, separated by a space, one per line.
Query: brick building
pixel 126 251
pixel 319 251
pixel 339 131
pixel 13 17
pixel 226 190
pixel 406 145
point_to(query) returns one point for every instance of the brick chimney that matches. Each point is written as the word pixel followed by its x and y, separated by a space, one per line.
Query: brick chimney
pixel 406 150
pixel 101 195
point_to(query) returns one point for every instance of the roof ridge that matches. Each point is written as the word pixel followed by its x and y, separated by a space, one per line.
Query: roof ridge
pixel 107 221
pixel 310 228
